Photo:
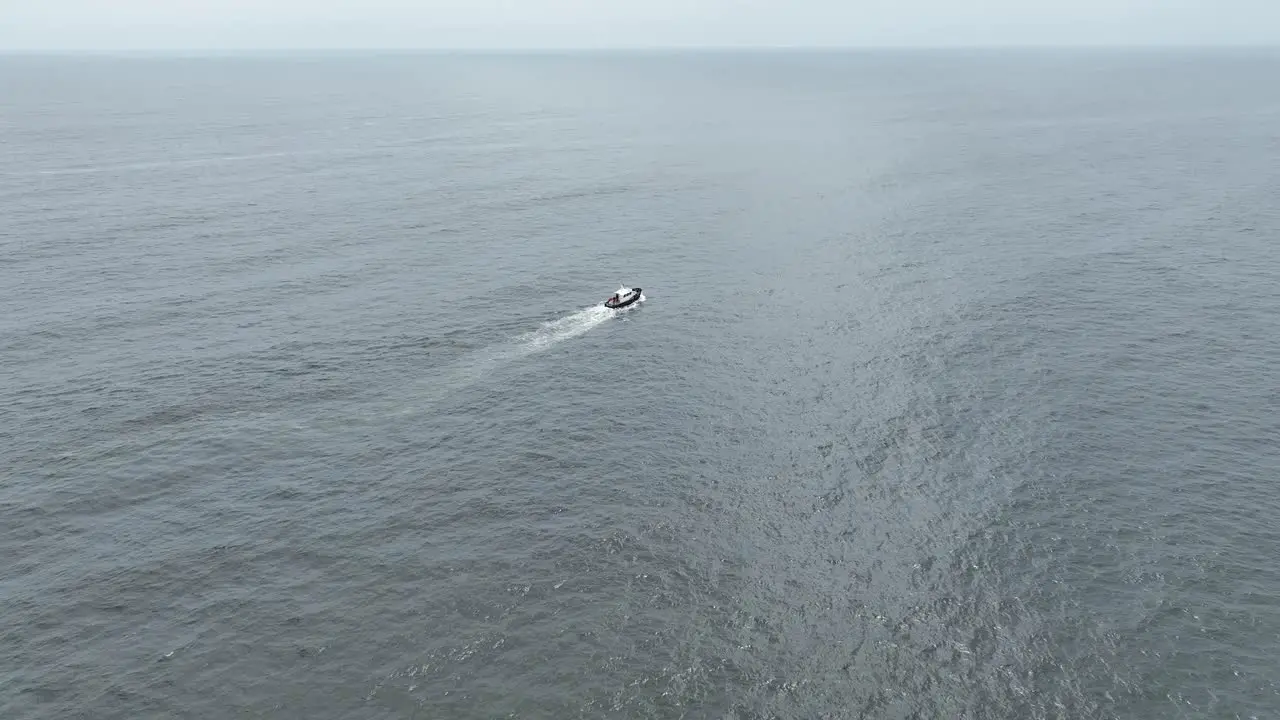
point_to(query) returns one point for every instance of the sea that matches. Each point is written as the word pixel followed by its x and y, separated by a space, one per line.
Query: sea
pixel 955 392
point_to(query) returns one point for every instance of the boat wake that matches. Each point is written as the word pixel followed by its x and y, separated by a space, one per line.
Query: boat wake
pixel 427 391
pixel 482 364
pixel 566 328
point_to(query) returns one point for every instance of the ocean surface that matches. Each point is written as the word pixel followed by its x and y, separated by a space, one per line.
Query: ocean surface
pixel 955 394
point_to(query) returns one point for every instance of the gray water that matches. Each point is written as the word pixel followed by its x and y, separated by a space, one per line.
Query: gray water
pixel 955 393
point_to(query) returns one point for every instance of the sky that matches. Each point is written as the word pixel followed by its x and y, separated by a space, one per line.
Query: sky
pixel 430 24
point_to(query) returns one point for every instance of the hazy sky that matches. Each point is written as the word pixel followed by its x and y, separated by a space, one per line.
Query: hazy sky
pixel 238 24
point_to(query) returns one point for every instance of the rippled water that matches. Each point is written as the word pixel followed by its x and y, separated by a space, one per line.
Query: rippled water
pixel 954 394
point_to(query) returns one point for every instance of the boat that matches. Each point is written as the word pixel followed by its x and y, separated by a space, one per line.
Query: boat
pixel 624 297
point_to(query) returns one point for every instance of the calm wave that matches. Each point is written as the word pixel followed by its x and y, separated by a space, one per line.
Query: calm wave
pixel 954 394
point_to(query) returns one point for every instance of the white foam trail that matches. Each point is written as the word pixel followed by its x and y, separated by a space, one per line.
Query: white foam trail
pixel 483 363
pixel 565 328
pixel 471 370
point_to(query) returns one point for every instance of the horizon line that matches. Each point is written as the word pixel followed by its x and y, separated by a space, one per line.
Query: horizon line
pixel 514 49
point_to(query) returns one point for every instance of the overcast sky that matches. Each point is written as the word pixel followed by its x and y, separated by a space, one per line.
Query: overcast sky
pixel 247 24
